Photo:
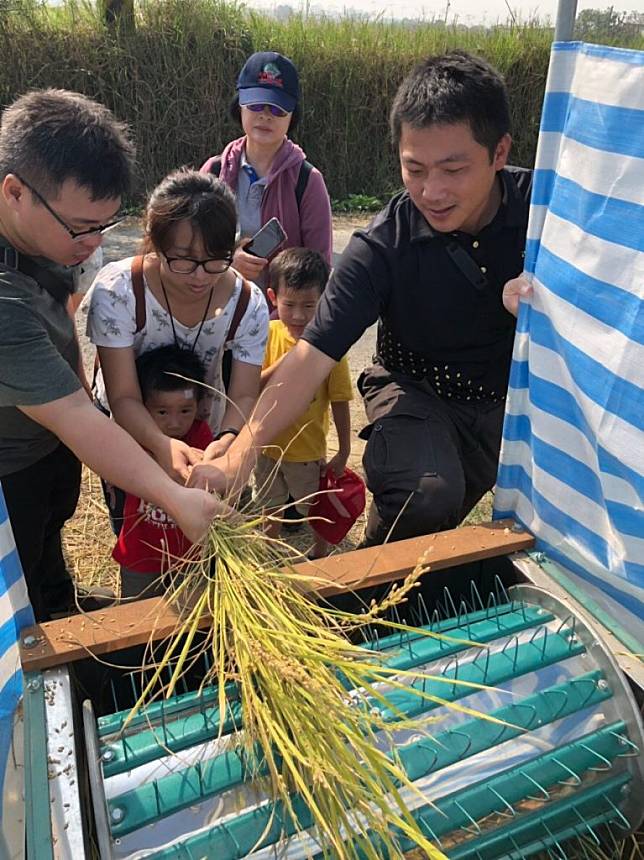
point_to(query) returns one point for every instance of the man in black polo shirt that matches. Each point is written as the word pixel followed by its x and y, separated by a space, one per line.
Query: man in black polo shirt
pixel 431 269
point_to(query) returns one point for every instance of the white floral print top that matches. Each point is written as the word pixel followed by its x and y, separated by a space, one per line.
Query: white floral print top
pixel 109 307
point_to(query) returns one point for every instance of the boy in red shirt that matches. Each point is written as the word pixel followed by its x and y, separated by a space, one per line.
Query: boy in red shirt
pixel 150 540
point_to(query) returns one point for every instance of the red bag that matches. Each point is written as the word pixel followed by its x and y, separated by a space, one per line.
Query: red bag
pixel 340 504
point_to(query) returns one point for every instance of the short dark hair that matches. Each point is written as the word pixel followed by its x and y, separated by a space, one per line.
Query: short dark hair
pixel 49 136
pixel 155 369
pixel 202 199
pixel 299 269
pixel 456 87
pixel 234 112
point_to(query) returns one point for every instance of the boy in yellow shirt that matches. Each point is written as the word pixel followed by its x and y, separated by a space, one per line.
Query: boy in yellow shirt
pixel 292 464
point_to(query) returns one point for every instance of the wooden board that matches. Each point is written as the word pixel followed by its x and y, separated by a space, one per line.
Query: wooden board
pixel 138 622
pixel 367 567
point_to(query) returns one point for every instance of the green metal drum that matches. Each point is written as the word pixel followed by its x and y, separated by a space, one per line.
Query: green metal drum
pixel 559 764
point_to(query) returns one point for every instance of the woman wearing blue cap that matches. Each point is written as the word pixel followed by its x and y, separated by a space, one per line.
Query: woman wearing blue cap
pixel 267 172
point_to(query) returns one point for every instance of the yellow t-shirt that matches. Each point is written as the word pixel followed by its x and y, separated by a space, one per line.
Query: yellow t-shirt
pixel 310 443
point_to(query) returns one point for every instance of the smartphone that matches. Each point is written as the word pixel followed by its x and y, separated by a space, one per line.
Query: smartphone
pixel 267 240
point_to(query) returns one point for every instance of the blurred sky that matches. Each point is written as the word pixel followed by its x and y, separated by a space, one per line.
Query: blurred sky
pixel 466 11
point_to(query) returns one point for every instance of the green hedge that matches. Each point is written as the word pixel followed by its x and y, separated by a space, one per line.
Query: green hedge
pixel 173 76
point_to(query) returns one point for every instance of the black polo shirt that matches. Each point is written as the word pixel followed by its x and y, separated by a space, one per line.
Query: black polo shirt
pixel 440 311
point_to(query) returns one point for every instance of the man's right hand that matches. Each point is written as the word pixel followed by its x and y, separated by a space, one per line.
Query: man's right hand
pixel 194 510
pixel 248 265
pixel 177 459
pixel 113 453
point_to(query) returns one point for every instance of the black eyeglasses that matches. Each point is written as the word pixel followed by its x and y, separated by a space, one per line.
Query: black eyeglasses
pixel 75 234
pixel 276 111
pixel 187 265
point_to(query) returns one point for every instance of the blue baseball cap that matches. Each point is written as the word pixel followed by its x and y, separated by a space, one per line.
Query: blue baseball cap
pixel 269 78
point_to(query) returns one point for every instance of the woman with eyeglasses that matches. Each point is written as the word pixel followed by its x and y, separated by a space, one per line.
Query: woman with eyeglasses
pixel 267 172
pixel 181 290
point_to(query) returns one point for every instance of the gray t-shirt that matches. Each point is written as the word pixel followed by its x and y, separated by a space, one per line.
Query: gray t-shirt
pixel 38 364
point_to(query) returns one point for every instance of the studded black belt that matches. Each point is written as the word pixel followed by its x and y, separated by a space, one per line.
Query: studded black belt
pixel 447 380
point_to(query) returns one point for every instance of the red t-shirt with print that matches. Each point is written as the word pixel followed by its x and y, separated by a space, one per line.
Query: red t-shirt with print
pixel 149 538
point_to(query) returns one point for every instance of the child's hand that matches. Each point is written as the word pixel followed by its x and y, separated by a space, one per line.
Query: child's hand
pixel 177 458
pixel 337 464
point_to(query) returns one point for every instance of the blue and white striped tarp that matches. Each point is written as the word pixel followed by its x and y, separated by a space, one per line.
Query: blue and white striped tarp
pixel 572 458
pixel 15 613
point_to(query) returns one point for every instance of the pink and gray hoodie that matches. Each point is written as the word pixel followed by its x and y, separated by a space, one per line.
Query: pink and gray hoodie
pixel 311 226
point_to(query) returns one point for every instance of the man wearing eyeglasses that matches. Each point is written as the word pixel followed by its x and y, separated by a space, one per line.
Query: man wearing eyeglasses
pixel 65 163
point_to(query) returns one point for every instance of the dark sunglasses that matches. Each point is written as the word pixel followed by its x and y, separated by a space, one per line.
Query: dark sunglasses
pixel 276 111
pixel 187 265
pixel 75 234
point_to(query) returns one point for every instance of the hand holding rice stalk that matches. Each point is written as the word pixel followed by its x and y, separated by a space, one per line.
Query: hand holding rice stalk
pixel 311 707
pixel 313 732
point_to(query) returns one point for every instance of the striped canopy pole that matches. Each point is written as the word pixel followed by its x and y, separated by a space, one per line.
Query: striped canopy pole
pixel 565 23
pixel 15 613
pixel 572 458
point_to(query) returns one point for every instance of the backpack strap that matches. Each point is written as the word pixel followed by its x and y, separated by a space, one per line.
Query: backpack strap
pixel 215 166
pixel 138 287
pixel 302 181
pixel 240 310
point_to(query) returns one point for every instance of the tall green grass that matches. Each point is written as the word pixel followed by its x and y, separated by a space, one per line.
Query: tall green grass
pixel 352 69
pixel 173 77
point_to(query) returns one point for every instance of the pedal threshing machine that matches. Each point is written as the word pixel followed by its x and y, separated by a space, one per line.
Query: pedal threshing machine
pixel 544 606
pixel 561 763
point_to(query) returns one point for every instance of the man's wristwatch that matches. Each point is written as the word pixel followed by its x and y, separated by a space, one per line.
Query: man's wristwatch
pixel 225 433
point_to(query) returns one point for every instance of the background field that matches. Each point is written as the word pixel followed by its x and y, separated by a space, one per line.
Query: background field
pixel 171 76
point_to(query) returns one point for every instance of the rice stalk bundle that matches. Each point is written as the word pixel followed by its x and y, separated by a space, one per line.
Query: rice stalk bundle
pixel 314 711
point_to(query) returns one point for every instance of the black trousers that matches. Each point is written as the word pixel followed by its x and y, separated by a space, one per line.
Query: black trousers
pixel 40 498
pixel 428 460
